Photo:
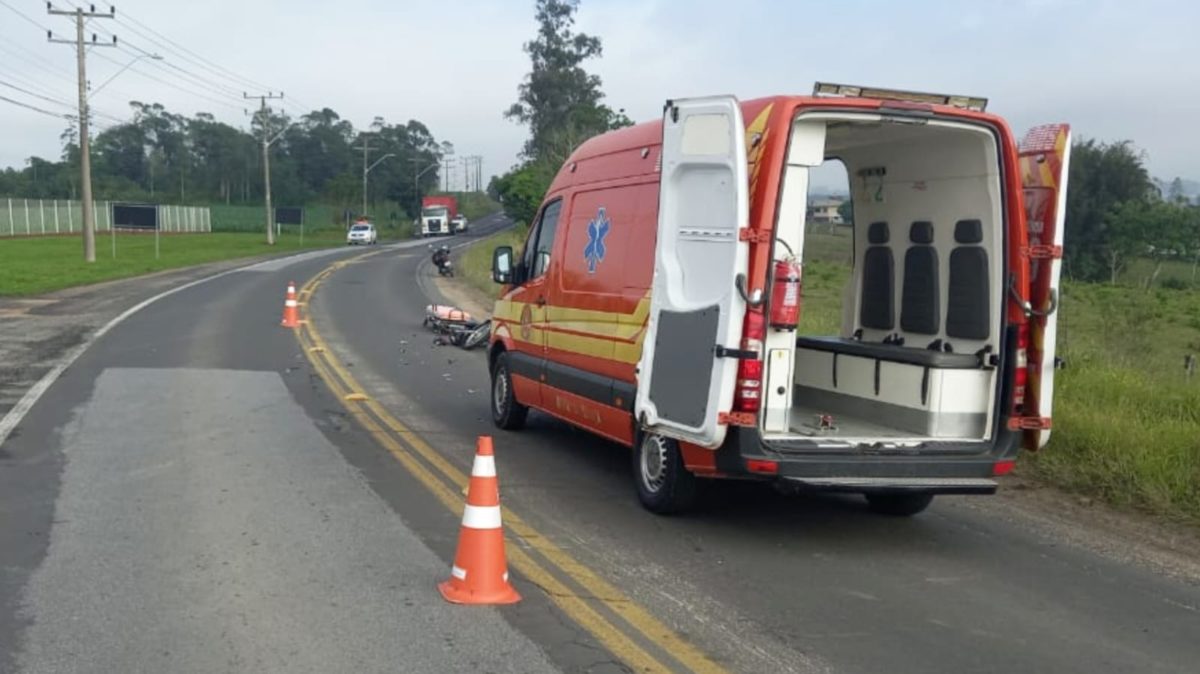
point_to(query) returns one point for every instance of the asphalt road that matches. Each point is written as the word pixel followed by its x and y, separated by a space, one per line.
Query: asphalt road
pixel 765 581
pixel 189 496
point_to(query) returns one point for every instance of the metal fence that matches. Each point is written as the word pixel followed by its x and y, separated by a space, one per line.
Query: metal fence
pixel 35 217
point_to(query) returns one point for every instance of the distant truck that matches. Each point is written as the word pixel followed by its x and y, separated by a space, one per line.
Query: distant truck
pixel 436 214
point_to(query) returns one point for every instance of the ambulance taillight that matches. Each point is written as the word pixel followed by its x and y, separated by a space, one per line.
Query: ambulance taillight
pixel 747 397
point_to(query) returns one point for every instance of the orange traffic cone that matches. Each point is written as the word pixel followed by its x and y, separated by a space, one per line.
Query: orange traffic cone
pixel 480 571
pixel 291 318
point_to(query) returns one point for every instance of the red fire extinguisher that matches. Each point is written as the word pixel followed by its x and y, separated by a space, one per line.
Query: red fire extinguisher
pixel 785 293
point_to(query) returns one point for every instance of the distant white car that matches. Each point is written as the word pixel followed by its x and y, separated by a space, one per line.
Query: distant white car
pixel 458 223
pixel 362 232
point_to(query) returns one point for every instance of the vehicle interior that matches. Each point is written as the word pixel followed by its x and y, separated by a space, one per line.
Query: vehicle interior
pixel 917 355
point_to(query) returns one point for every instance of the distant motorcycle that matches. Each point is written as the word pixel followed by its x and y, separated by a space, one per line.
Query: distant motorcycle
pixel 441 260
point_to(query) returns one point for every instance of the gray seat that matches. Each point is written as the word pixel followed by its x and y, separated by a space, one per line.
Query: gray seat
pixel 920 299
pixel 968 306
pixel 877 309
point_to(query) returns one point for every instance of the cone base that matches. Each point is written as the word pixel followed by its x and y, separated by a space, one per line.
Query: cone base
pixel 454 594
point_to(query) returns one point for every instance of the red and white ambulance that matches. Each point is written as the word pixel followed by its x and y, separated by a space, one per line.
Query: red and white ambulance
pixel 657 299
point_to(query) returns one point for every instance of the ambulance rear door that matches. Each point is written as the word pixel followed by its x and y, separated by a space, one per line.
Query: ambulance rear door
pixel 689 359
pixel 1044 158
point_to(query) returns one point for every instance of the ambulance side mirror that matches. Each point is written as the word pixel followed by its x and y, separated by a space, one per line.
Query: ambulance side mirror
pixel 502 265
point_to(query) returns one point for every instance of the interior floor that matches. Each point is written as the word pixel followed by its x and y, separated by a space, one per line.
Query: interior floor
pixel 804 420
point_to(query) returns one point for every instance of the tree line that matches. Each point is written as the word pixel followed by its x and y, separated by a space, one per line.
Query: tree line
pixel 1115 213
pixel 167 157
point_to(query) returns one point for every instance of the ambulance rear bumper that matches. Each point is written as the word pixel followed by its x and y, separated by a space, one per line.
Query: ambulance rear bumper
pixel 937 467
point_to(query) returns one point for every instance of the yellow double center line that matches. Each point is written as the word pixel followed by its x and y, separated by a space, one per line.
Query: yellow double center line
pixel 534 556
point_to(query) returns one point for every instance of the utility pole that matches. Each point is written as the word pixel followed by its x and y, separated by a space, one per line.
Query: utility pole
pixel 476 171
pixel 447 162
pixel 265 120
pixel 85 159
pixel 366 148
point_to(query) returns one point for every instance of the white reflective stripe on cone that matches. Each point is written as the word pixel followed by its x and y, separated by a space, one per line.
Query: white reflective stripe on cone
pixel 289 303
pixel 484 466
pixel 461 574
pixel 481 517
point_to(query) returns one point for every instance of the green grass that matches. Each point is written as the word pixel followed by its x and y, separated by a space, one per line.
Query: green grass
pixel 1126 420
pixel 29 266
pixel 476 265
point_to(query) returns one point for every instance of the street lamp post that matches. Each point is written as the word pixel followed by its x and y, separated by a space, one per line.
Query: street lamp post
pixel 152 57
pixel 366 170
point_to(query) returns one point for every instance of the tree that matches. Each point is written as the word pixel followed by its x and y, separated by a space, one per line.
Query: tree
pixel 159 155
pixel 559 100
pixel 846 210
pixel 1125 228
pixel 1102 176
pixel 1175 192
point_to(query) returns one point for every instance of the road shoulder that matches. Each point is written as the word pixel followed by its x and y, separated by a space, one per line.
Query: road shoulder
pixel 37 332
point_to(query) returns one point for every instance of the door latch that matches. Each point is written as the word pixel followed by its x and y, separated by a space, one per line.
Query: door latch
pixel 740 354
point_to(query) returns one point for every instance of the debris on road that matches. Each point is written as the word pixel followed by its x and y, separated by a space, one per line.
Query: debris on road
pixel 456 327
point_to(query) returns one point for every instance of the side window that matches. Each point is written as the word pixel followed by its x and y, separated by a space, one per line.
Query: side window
pixel 527 255
pixel 541 242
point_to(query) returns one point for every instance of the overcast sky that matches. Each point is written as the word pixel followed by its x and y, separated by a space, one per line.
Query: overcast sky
pixel 1114 69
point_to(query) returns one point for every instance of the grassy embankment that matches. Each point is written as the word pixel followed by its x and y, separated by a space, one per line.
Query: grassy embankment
pixel 40 264
pixel 476 264
pixel 1126 419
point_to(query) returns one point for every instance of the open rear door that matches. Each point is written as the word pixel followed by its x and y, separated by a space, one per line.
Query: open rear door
pixel 686 375
pixel 1045 155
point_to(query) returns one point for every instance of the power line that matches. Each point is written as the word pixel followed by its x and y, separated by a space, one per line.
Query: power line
pixel 40 63
pixel 196 59
pixel 192 78
pixel 26 82
pixel 22 15
pixel 185 53
pixel 35 95
pixel 175 86
pixel 34 108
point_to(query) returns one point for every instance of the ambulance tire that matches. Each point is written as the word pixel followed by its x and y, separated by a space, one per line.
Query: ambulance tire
pixel 507 413
pixel 899 505
pixel 664 485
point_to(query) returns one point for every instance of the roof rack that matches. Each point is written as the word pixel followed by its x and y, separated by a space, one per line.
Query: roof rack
pixel 827 89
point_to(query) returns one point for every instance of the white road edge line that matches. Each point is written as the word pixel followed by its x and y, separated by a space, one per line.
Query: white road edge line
pixel 35 392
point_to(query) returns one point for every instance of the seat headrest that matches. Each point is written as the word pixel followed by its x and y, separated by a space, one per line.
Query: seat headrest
pixel 968 231
pixel 878 232
pixel 921 232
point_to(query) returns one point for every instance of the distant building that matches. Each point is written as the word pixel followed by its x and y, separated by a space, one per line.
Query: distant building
pixel 825 211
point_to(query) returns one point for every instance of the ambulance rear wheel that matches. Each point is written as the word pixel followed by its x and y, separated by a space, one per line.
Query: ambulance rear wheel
pixel 507 413
pixel 664 485
pixel 899 505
